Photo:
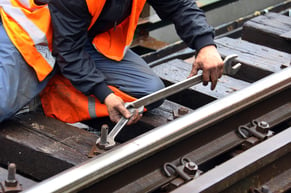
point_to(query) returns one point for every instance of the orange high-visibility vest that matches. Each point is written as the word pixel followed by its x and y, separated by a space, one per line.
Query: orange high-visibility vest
pixel 114 42
pixel 62 101
pixel 29 28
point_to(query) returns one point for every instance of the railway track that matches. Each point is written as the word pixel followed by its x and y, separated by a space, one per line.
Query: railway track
pixel 234 139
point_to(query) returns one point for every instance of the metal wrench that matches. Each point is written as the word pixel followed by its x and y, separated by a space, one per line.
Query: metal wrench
pixel 161 94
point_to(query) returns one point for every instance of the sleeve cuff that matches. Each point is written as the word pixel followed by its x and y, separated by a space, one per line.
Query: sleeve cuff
pixel 101 91
pixel 202 41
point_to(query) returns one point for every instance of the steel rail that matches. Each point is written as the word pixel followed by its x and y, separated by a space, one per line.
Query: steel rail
pixel 106 164
pixel 201 155
pixel 239 167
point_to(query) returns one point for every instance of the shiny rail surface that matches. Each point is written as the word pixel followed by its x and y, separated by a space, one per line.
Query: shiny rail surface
pixel 126 154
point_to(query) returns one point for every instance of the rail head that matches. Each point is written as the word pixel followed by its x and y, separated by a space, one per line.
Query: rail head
pixel 98 168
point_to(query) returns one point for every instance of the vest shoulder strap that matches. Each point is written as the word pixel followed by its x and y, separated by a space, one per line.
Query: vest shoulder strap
pixel 95 9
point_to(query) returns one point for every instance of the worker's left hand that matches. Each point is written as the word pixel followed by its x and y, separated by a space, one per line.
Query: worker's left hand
pixel 209 61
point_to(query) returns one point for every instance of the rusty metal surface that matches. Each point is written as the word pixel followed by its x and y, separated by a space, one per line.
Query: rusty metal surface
pixel 203 154
pixel 239 167
pixel 25 182
pixel 281 182
pixel 258 180
pixel 162 137
pixel 55 149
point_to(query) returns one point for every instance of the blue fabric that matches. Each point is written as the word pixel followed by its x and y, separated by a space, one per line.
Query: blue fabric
pixel 131 75
pixel 18 82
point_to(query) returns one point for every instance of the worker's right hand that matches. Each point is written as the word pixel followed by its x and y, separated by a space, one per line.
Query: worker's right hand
pixel 116 109
pixel 209 60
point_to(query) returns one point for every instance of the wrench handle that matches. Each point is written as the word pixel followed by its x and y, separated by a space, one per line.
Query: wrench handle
pixel 116 129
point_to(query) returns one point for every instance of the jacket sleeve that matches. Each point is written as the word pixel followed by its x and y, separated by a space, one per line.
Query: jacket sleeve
pixel 70 20
pixel 190 21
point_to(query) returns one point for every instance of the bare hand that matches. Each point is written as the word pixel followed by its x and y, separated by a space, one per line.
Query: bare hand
pixel 116 110
pixel 209 61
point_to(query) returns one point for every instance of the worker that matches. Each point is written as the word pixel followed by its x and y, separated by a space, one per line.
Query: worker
pixel 26 62
pixel 90 44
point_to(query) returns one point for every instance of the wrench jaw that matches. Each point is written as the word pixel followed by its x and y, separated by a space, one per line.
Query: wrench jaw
pixel 228 68
pixel 110 143
pixel 130 106
pixel 107 141
pixel 101 146
pixel 235 69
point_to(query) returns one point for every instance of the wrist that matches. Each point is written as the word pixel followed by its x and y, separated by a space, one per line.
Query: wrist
pixel 101 91
pixel 108 98
pixel 207 48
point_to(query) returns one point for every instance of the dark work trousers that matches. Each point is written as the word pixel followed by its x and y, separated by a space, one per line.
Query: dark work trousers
pixel 19 84
pixel 131 75
pixel 18 81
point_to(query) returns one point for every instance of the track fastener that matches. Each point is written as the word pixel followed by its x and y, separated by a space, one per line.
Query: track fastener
pixel 11 185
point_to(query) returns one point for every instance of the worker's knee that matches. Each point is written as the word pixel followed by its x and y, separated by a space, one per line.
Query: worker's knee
pixel 18 81
pixel 155 86
pixel 9 74
pixel 7 107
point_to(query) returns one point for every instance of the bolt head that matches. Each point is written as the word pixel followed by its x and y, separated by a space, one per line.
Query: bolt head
pixel 191 168
pixel 263 124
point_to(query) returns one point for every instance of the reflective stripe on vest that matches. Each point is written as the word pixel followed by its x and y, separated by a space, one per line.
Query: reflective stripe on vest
pixel 28 27
pixel 61 100
pixel 114 43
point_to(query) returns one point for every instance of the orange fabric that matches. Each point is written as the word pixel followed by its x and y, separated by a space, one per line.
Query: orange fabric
pixel 94 9
pixel 40 17
pixel 61 100
pixel 114 42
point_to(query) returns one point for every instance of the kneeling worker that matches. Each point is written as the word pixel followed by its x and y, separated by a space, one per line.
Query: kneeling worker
pixel 84 45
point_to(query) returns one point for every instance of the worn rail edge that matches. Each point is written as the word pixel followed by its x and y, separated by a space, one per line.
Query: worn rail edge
pixel 235 169
pixel 100 167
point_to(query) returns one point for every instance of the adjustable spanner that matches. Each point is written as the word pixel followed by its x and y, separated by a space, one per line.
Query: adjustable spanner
pixel 108 141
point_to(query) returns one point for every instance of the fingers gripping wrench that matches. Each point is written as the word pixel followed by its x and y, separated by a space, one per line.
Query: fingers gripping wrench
pixel 139 104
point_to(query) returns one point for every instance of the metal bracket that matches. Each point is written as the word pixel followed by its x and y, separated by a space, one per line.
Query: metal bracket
pixel 180 112
pixel 10 185
pixel 187 170
pixel 258 129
